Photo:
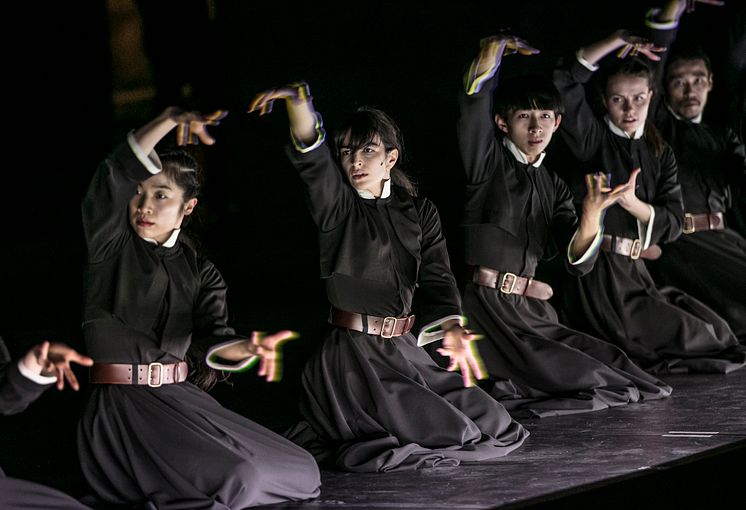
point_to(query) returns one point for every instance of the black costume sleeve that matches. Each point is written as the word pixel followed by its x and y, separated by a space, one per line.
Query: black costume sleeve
pixel 211 310
pixel 437 291
pixel 476 133
pixel 668 204
pixel 328 195
pixel 580 128
pixel 105 215
pixel 16 391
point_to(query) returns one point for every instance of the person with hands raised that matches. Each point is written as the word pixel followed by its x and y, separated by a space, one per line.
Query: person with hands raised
pixel 708 260
pixel 663 332
pixel 518 213
pixel 148 436
pixel 373 399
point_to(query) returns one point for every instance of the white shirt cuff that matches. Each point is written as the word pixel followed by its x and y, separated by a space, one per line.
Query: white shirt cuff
pixel 320 137
pixel 591 249
pixel 583 62
pixel 37 378
pixel 659 25
pixel 646 231
pixel 236 366
pixel 433 332
pixel 151 162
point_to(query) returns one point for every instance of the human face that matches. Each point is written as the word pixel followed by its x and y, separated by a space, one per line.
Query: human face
pixel 627 101
pixel 688 84
pixel 529 130
pixel 158 208
pixel 369 166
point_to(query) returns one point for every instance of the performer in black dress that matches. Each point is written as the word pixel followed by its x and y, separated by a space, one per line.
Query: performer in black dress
pixel 618 300
pixel 372 396
pixel 518 212
pixel 709 260
pixel 147 436
pixel 20 384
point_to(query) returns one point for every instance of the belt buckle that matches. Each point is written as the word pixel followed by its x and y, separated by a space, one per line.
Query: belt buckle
pixel 688 223
pixel 636 250
pixel 388 320
pixel 160 374
pixel 507 283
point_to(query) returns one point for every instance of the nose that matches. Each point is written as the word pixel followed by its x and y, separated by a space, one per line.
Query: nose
pixel 627 106
pixel 534 126
pixel 143 204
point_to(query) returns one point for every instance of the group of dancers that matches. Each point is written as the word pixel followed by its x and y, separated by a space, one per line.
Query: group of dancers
pixel 373 398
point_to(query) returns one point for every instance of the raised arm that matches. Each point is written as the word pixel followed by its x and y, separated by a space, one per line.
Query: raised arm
pixel 329 196
pixel 115 181
pixel 476 124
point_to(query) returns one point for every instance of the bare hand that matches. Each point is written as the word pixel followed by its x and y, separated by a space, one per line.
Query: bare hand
pixel 600 196
pixel 192 125
pixel 53 359
pixel 628 197
pixel 458 344
pixel 269 350
pixel 297 92
pixel 635 44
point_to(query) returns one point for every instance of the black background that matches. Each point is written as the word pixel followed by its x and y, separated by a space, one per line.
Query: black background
pixel 407 58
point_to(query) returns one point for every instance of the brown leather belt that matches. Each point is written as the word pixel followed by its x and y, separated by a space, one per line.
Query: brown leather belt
pixel 153 374
pixel 386 327
pixel 701 222
pixel 631 248
pixel 509 283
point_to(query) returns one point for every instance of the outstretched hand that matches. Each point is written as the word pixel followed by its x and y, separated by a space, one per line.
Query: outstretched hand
pixel 493 48
pixel 191 126
pixel 297 92
pixel 268 348
pixel 459 345
pixel 600 196
pixel 53 359
pixel 634 45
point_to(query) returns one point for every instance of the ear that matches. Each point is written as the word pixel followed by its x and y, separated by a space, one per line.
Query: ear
pixel 501 123
pixel 392 156
pixel 189 206
pixel 710 79
pixel 557 122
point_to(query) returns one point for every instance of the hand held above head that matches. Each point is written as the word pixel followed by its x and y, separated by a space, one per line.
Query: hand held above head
pixel 632 45
pixel 493 48
pixel 459 345
pixel 299 104
pixel 191 126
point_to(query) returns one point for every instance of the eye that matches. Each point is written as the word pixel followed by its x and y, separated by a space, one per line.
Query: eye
pixel 546 115
pixel 344 152
pixel 522 115
pixel 160 196
pixel 369 149
pixel 639 99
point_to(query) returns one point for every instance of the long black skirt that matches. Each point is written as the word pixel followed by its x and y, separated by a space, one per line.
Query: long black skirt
pixel 375 404
pixel 539 367
pixel 710 266
pixel 176 447
pixel 663 331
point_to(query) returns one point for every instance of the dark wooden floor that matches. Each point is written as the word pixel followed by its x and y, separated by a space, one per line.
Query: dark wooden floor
pixel 684 452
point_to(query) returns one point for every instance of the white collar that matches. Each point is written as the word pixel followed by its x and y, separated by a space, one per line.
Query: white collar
pixel 364 193
pixel 170 242
pixel 520 155
pixel 614 129
pixel 695 120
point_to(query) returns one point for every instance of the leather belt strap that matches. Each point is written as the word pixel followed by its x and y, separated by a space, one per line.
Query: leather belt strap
pixel 702 222
pixel 153 374
pixel 386 327
pixel 509 283
pixel 631 248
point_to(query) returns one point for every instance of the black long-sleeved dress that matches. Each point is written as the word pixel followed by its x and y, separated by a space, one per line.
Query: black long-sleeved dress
pixel 16 393
pixel 709 265
pixel 618 300
pixel 173 446
pixel 516 214
pixel 381 404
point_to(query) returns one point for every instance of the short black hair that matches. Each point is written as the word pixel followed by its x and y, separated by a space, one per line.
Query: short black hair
pixel 527 92
pixel 686 52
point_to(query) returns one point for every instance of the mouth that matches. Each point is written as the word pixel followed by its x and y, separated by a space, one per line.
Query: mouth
pixel 534 143
pixel 629 120
pixel 357 175
pixel 143 223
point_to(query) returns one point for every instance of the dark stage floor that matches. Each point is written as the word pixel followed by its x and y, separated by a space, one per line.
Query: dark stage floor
pixel 688 451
